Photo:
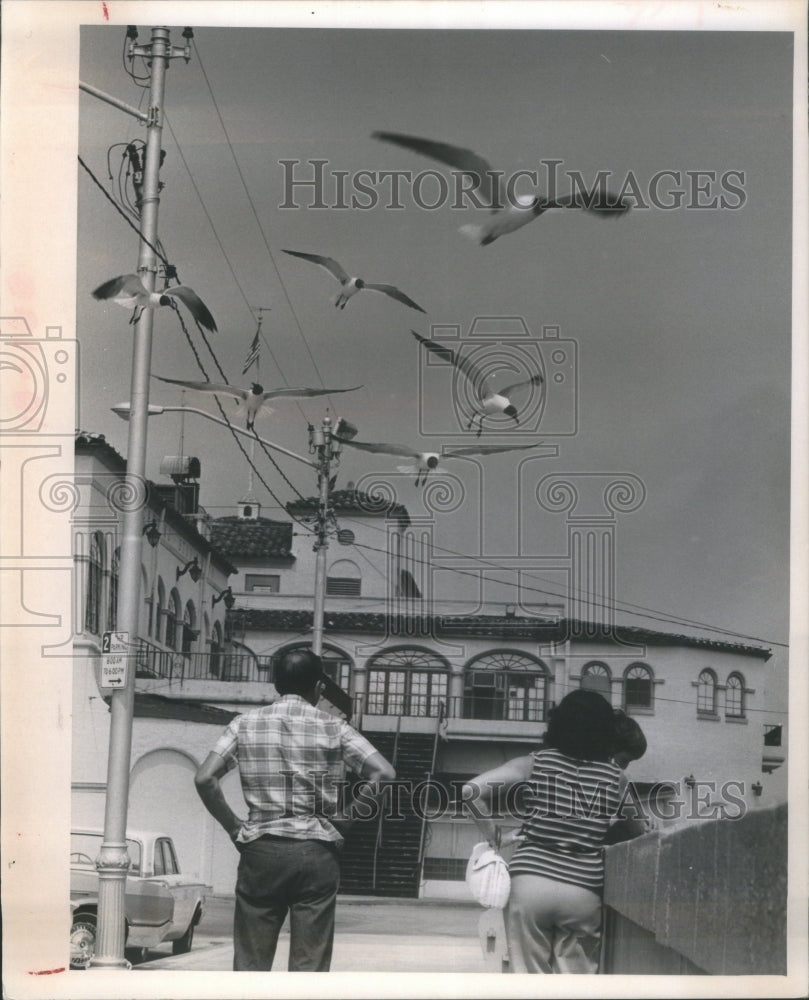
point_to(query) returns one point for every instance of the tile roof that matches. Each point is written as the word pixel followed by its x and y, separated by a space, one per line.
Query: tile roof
pixel 97 445
pixel 353 502
pixel 256 538
pixel 493 626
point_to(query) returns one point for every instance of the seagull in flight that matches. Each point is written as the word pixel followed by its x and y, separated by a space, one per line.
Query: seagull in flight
pixel 427 461
pixel 489 401
pixel 349 285
pixel 128 290
pixel 255 398
pixel 505 216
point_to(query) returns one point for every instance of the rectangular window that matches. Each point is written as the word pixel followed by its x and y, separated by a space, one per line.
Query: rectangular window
pixel 638 693
pixel 343 586
pixel 262 583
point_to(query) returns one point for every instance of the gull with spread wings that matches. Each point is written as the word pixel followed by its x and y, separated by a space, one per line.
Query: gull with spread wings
pixel 254 399
pixel 507 213
pixel 427 461
pixel 489 401
pixel 349 286
pixel 128 291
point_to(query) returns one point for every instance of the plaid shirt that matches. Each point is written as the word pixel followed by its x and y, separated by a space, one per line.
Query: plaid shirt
pixel 289 756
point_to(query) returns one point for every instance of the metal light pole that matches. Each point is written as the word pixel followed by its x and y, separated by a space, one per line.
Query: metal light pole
pixel 113 860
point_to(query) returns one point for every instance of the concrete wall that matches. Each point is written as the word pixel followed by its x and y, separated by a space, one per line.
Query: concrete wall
pixel 712 892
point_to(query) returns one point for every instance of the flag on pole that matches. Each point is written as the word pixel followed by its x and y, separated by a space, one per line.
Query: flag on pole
pixel 253 353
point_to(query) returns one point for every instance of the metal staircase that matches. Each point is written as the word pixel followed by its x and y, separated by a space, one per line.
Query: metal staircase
pixel 382 856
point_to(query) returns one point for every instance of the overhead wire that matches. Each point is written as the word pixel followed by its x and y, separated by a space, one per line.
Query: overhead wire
pixel 622 606
pixel 258 221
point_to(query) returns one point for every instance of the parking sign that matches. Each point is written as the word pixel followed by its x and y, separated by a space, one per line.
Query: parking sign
pixel 114 646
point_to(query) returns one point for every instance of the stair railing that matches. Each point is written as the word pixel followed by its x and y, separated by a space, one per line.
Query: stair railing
pixel 430 773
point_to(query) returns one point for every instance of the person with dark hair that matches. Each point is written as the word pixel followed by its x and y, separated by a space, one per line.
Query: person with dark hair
pixel 572 792
pixel 631 743
pixel 292 760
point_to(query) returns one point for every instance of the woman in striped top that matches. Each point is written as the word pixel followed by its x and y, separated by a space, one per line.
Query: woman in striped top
pixel 573 792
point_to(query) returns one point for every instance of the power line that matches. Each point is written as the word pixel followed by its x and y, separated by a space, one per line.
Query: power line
pixel 257 220
pixel 652 614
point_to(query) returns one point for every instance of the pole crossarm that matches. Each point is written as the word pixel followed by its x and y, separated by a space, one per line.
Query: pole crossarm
pixel 114 101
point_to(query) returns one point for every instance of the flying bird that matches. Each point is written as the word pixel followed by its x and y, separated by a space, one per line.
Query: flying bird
pixel 489 401
pixel 255 398
pixel 128 290
pixel 349 286
pixel 427 461
pixel 506 214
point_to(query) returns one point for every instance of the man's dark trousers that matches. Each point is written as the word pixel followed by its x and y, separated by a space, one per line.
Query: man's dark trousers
pixel 276 875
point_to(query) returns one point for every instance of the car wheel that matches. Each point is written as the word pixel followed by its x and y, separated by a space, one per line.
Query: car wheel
pixel 183 944
pixel 82 940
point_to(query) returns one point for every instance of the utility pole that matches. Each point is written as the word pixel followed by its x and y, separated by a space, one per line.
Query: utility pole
pixel 113 860
pixel 324 446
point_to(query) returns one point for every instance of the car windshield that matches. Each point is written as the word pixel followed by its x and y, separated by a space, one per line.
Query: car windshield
pixel 85 848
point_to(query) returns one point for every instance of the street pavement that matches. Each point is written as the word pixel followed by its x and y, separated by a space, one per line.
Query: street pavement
pixel 371 935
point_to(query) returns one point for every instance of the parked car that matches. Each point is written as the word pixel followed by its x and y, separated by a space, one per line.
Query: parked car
pixel 160 904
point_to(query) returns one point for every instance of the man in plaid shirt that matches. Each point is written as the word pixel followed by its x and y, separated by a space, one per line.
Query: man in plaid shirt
pixel 292 761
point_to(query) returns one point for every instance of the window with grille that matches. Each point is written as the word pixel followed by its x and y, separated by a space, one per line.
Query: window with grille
pixel 407 682
pixel 706 693
pixel 638 688
pixel 343 586
pixel 505 685
pixel 596 677
pixel 92 611
pixel 172 616
pixel 734 697
pixel 112 607
pixel 262 583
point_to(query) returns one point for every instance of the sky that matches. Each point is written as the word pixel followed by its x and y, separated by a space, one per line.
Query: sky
pixel 680 316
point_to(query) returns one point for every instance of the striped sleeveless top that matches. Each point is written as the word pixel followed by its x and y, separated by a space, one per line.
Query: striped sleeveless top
pixel 570 803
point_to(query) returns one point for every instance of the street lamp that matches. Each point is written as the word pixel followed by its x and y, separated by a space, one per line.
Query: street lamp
pixel 226 596
pixel 193 569
pixel 123 411
pixel 152 533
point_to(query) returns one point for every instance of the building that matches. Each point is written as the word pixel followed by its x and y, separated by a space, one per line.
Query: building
pixel 443 692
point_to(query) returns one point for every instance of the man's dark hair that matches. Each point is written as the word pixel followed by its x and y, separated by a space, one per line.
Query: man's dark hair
pixel 297 671
pixel 582 725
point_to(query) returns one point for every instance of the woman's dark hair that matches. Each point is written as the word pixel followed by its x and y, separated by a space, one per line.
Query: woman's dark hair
pixel 629 738
pixel 297 671
pixel 583 726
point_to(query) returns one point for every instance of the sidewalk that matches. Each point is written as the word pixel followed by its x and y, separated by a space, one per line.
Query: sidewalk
pixel 371 935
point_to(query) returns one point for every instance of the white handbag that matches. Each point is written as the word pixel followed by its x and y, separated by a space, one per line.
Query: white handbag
pixel 487 877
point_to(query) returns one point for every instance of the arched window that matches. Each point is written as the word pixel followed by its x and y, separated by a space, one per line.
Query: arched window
pixel 344 579
pixel 595 676
pixel 505 684
pixel 336 664
pixel 172 617
pixel 638 688
pixel 706 693
pixel 159 610
pixel 216 650
pixel 112 607
pixel 734 697
pixel 92 609
pixel 407 681
pixel 189 632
